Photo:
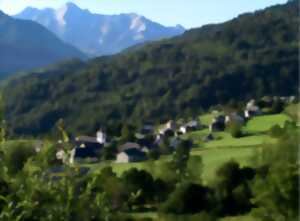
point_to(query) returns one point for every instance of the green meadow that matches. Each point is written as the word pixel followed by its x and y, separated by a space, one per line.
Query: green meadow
pixel 214 153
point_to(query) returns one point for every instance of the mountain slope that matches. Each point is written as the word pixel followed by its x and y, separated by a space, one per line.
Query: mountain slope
pixel 251 56
pixel 97 34
pixel 26 44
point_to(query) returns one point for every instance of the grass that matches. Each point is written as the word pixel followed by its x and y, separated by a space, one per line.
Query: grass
pixel 227 140
pixel 264 123
pixel 215 157
pixel 216 152
pixel 206 119
pixel 293 111
pixel 240 218
pixel 212 159
pixel 155 217
pixel 145 215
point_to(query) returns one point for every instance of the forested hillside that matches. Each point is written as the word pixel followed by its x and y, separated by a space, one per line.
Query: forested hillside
pixel 25 45
pixel 250 56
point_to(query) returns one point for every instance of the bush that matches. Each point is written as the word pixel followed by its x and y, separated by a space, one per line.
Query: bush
pixel 276 131
pixel 188 199
pixel 235 130
pixel 232 189
pixel 195 217
pixel 154 154
pixel 140 185
pixel 17 155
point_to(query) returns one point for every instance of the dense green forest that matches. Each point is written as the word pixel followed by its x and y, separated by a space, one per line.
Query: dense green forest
pixel 253 55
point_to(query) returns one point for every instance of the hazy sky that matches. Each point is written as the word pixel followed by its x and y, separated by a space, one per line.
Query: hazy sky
pixel 189 13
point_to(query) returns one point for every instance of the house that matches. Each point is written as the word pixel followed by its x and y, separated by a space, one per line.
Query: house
pixel 234 118
pixel 266 101
pixel 169 126
pixel 87 147
pixel 252 109
pixel 147 129
pixel 128 146
pixel 101 137
pixel 292 99
pixel 131 155
pixel 218 124
pixel 190 126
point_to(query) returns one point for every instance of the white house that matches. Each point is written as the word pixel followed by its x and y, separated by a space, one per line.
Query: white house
pixel 190 126
pixel 218 124
pixel 131 155
pixel 251 109
pixel 101 137
pixel 170 125
pixel 234 118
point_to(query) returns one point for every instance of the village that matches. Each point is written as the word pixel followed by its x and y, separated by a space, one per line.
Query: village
pixel 148 142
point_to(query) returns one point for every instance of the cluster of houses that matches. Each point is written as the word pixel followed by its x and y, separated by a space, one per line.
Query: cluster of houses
pixel 219 122
pixel 253 108
pixel 148 137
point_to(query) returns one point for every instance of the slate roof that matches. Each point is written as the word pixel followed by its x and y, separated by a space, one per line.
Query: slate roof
pixel 135 152
pixel 128 145
pixel 86 139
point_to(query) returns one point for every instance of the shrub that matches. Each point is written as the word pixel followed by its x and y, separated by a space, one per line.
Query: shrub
pixel 188 198
pixel 275 131
pixel 17 155
pixel 235 130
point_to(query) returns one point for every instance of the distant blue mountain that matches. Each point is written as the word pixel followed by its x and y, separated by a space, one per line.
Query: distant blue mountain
pixel 97 34
pixel 26 44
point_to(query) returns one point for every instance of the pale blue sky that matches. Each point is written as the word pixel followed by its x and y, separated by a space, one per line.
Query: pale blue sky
pixel 189 13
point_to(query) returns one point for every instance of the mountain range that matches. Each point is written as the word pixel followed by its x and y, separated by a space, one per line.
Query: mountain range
pixel 97 34
pixel 253 55
pixel 26 44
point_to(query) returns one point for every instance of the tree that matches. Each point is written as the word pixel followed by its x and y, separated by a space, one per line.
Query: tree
pixel 154 154
pixel 140 185
pixel 16 156
pixel 276 194
pixel 276 131
pixel 181 157
pixel 128 133
pixel 61 128
pixel 188 198
pixel 235 130
pixel 109 151
pixel 164 146
pixel 194 169
pixel 232 189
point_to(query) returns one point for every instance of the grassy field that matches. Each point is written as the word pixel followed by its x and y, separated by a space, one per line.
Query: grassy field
pixel 293 111
pixel 264 123
pixel 156 217
pixel 240 218
pixel 212 159
pixel 215 157
pixel 218 151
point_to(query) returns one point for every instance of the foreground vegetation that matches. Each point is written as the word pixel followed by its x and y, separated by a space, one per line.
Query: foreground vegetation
pixel 256 180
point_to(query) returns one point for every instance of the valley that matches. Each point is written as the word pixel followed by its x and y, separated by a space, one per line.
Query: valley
pixel 115 117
